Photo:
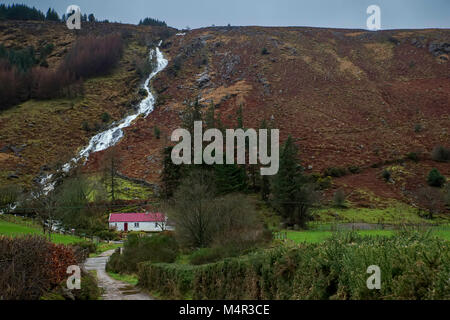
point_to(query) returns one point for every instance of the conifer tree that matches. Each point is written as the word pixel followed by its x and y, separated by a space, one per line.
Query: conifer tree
pixel 293 196
pixel 171 174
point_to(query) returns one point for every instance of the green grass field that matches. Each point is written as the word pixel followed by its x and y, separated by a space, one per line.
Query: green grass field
pixel 15 229
pixel 315 236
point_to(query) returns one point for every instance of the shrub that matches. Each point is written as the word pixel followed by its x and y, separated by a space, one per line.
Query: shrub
pixel 335 172
pixel 386 174
pixel 207 255
pixel 413 156
pixel 109 235
pixel 354 169
pixel 106 117
pixel 85 126
pixel 339 198
pixel 324 183
pixel 440 154
pixel 89 290
pixel 157 248
pixel 414 266
pixel 89 246
pixel 435 178
pixel 264 51
pixel 31 266
pixel 157 132
pixel 418 128
pixel 201 217
pixel 447 195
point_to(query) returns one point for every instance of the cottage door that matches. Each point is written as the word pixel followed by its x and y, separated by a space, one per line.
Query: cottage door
pixel 125 226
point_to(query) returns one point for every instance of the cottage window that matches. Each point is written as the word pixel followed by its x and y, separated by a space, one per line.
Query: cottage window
pixel 136 224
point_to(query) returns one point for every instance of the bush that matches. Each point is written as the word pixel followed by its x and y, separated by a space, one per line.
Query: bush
pixel 354 169
pixel 157 248
pixel 89 290
pixel 31 266
pixel 440 154
pixel 418 128
pixel 413 156
pixel 157 132
pixel 335 172
pixel 264 51
pixel 202 218
pixel 106 117
pixel 447 195
pixel 435 178
pixel 89 246
pixel 386 174
pixel 85 126
pixel 108 235
pixel 207 255
pixel 414 266
pixel 339 198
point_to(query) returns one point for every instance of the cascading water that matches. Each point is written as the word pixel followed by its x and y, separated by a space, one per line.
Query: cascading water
pixel 113 135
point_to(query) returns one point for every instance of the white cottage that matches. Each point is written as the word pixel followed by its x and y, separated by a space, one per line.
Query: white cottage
pixel 150 222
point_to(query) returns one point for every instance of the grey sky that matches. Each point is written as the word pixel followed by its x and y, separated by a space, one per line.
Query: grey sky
pixel 395 14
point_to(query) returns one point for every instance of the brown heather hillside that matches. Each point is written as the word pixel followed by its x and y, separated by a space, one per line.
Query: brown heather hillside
pixel 39 135
pixel 349 97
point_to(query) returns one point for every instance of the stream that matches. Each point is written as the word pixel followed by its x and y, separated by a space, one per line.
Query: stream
pixel 114 134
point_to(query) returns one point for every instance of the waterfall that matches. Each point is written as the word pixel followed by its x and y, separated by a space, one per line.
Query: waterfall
pixel 114 134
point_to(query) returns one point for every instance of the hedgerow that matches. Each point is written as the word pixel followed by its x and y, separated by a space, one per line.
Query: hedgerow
pixel 413 266
pixel 31 266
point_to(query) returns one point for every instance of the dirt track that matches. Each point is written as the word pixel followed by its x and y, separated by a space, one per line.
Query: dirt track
pixel 113 289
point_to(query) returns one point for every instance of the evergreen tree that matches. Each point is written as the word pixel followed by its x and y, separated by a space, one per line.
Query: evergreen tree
pixel 292 195
pixel 210 117
pixel 91 18
pixel 230 178
pixel 52 15
pixel 265 182
pixel 20 12
pixel 192 114
pixel 152 22
pixel 171 174
pixel 240 118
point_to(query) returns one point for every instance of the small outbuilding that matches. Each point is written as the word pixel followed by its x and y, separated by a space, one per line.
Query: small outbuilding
pixel 147 221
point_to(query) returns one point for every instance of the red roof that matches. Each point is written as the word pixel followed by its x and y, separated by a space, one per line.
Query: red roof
pixel 137 217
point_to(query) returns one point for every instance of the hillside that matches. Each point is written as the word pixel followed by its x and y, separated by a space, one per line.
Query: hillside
pixel 350 98
pixel 39 135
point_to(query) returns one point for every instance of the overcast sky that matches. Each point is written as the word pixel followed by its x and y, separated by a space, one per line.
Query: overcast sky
pixel 395 14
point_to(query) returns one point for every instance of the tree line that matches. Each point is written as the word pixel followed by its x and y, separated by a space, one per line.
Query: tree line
pixel 24 12
pixel 291 192
pixel 23 75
